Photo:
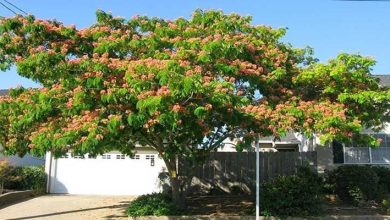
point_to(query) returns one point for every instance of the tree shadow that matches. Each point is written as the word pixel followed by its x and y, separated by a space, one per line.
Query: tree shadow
pixel 122 205
pixel 16 202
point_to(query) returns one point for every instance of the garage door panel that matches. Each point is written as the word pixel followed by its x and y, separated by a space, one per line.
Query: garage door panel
pixel 107 176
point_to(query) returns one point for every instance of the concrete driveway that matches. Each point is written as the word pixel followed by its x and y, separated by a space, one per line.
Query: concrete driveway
pixel 68 207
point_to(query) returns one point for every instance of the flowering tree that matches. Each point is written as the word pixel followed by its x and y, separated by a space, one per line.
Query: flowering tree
pixel 180 87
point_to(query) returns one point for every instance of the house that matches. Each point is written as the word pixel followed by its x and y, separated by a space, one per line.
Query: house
pixel 329 157
pixel 289 143
pixel 337 154
pixel 27 160
pixel 343 154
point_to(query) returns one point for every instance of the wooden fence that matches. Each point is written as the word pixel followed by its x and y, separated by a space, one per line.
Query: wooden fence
pixel 229 170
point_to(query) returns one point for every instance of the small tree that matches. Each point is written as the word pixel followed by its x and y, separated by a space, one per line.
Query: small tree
pixel 181 87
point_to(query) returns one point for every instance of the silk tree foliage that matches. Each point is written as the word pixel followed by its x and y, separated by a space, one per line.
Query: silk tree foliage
pixel 181 86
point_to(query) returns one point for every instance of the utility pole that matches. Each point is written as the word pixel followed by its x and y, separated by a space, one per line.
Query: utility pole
pixel 257 178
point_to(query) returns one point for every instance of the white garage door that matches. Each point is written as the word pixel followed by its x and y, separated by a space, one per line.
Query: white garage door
pixel 109 174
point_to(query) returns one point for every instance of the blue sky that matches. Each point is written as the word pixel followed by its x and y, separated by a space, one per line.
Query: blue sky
pixel 330 27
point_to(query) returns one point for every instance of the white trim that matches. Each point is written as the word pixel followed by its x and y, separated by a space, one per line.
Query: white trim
pixel 370 154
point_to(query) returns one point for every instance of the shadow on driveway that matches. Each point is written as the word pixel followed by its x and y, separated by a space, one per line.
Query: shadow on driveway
pixel 64 207
pixel 74 211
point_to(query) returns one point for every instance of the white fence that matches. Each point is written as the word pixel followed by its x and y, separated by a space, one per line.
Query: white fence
pixel 366 155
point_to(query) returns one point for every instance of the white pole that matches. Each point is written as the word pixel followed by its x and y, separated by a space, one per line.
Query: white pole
pixel 257 178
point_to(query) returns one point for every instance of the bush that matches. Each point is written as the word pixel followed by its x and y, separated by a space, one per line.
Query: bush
pixel 298 195
pixel 34 178
pixel 155 204
pixel 357 184
pixel 386 206
pixel 384 176
pixel 5 170
pixel 26 178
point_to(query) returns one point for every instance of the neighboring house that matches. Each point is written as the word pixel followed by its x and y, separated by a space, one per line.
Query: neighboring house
pixel 27 160
pixel 365 155
pixel 289 143
pixel 329 157
pixel 3 92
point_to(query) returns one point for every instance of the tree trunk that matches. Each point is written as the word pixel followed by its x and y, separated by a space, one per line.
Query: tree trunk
pixel 178 196
pixel 1 187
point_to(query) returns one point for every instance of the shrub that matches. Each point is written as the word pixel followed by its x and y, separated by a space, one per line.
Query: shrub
pixel 26 178
pixel 34 178
pixel 155 204
pixel 356 184
pixel 5 170
pixel 386 206
pixel 384 176
pixel 298 195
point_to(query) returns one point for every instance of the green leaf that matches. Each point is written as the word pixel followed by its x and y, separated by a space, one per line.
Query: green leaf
pixel 200 112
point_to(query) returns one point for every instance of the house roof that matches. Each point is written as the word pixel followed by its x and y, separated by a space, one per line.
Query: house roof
pixel 289 138
pixel 3 92
pixel 384 80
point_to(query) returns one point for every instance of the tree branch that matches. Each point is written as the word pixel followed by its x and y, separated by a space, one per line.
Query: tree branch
pixel 214 136
pixel 189 98
pixel 219 141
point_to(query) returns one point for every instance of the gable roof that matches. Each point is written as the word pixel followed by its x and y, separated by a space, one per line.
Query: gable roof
pixel 3 92
pixel 384 80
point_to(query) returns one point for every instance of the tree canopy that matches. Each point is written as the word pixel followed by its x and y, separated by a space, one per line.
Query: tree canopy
pixel 180 86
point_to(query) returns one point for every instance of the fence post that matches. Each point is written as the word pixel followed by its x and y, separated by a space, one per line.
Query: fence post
pixel 257 178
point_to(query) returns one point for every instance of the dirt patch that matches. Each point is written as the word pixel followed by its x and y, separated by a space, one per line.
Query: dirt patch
pixel 220 205
pixel 334 206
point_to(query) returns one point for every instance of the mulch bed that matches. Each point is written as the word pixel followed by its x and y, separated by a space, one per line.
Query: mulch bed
pixel 220 205
pixel 235 205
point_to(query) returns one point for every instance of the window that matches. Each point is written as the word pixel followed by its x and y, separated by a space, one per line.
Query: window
pixel 136 157
pixel 78 157
pixel 149 157
pixel 106 156
pixel 66 156
pixel 384 139
pixel 120 156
